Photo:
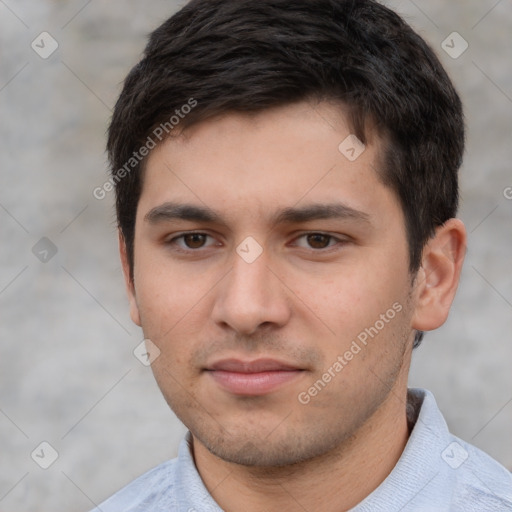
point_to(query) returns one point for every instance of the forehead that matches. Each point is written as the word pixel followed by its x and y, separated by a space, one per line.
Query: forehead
pixel 276 159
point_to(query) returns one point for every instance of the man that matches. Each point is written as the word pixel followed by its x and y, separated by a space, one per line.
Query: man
pixel 286 187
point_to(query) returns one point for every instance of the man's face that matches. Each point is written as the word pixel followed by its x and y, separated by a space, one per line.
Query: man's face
pixel 249 341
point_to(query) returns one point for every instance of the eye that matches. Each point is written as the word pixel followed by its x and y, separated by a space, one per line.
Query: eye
pixel 317 241
pixel 190 241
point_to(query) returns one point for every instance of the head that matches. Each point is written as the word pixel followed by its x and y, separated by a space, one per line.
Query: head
pixel 235 126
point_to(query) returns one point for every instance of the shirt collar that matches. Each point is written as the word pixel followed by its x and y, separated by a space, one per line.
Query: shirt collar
pixel 417 468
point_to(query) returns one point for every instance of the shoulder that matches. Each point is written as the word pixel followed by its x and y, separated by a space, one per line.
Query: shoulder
pixel 154 488
pixel 456 475
pixel 481 483
pixel 173 485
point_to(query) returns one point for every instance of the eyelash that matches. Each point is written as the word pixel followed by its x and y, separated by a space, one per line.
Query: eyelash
pixel 338 241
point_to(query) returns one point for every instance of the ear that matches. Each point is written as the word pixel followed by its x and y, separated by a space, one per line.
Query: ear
pixel 438 278
pixel 130 286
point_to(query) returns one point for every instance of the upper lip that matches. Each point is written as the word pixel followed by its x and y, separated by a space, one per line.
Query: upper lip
pixel 255 366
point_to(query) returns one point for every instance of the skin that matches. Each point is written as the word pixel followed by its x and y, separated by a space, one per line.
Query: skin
pixel 303 301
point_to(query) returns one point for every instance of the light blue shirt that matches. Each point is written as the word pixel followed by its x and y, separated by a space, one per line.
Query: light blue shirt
pixel 437 472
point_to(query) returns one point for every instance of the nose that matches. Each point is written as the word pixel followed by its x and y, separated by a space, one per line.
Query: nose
pixel 251 297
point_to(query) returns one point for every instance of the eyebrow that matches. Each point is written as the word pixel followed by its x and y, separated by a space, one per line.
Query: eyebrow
pixel 319 212
pixel 170 211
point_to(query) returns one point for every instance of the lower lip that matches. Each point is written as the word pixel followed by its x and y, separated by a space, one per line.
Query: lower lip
pixel 253 384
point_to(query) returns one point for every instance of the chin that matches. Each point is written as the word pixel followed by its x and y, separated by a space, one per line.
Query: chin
pixel 285 448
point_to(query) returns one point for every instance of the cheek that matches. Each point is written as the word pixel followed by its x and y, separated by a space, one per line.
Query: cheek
pixel 162 299
pixel 173 306
pixel 162 288
pixel 354 299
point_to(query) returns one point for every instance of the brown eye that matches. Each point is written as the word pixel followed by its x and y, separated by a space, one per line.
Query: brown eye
pixel 194 240
pixel 318 240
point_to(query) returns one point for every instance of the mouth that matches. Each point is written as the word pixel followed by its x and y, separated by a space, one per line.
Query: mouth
pixel 252 378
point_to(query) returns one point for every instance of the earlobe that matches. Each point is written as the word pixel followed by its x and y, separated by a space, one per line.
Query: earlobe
pixel 438 277
pixel 130 286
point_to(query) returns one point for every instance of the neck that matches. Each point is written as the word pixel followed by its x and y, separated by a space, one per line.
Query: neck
pixel 334 482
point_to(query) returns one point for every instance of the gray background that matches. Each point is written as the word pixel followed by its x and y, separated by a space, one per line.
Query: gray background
pixel 68 375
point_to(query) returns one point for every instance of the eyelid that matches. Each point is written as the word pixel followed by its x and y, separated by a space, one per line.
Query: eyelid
pixel 340 240
pixel 173 240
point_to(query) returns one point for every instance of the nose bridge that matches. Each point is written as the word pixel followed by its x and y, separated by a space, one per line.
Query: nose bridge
pixel 251 294
pixel 250 279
